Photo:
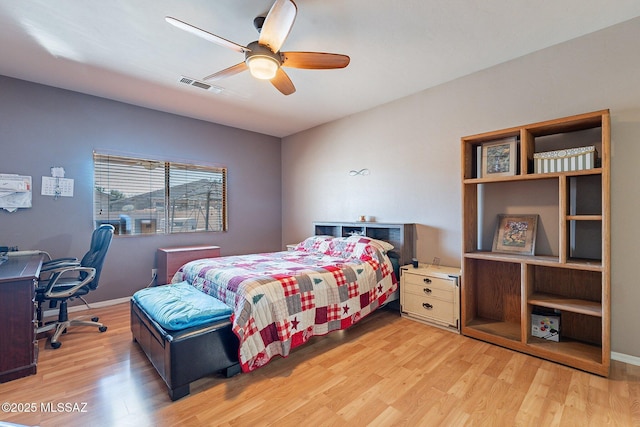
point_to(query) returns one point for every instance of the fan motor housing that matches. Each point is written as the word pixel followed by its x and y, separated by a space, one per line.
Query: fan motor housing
pixel 256 49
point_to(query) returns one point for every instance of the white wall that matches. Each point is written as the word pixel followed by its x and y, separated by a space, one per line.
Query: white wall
pixel 412 148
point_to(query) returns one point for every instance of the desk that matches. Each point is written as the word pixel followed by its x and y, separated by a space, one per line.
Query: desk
pixel 18 344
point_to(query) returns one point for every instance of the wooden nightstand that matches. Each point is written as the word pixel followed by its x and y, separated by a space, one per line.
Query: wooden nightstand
pixel 431 294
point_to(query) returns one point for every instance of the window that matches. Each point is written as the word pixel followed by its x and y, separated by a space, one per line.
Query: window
pixel 139 196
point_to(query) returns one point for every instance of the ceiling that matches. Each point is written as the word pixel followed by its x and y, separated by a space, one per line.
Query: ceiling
pixel 125 51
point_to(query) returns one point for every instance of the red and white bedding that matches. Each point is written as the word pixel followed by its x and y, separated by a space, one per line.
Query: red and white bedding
pixel 281 299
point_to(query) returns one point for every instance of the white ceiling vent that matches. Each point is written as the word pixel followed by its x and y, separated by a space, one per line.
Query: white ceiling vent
pixel 197 83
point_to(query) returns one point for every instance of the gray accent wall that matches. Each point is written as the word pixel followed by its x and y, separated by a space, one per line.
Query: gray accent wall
pixel 42 126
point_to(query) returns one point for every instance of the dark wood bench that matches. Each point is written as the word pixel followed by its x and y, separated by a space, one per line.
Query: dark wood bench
pixel 183 356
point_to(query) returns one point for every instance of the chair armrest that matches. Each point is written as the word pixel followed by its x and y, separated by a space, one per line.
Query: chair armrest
pixel 67 288
pixel 58 263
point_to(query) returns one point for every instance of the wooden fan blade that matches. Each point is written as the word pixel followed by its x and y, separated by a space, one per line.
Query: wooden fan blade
pixel 277 24
pixel 227 72
pixel 314 60
pixel 283 83
pixel 205 34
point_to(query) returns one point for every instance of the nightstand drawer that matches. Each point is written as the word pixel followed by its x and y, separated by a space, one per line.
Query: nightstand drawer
pixel 430 308
pixel 427 286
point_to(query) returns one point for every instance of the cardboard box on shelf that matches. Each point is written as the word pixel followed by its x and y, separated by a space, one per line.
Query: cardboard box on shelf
pixel 546 326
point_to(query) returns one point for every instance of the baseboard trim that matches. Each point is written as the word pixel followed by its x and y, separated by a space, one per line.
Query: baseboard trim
pixel 621 357
pixel 99 304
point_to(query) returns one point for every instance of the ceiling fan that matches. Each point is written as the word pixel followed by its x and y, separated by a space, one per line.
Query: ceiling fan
pixel 263 57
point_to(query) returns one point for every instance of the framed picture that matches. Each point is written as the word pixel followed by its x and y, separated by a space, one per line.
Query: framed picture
pixel 516 234
pixel 499 158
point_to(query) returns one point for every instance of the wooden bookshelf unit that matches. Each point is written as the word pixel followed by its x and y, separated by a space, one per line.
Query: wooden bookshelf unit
pixel 569 274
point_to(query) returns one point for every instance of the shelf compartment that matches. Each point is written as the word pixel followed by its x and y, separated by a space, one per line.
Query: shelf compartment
pixel 589 136
pixel 569 124
pixel 327 230
pixel 496 297
pixel 472 165
pixel 584 219
pixel 352 230
pixel 566 283
pixel 577 327
pixel 581 327
pixel 391 235
pixel 584 239
pixel 584 195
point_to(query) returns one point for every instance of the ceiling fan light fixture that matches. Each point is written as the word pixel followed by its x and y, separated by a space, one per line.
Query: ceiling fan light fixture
pixel 263 57
pixel 262 67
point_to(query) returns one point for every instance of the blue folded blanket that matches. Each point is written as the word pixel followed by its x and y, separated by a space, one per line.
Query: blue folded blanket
pixel 180 306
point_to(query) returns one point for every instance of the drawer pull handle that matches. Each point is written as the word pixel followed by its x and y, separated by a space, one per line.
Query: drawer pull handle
pixel 427 291
pixel 427 280
pixel 427 306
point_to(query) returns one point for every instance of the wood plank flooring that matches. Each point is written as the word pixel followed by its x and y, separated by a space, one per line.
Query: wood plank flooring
pixel 385 371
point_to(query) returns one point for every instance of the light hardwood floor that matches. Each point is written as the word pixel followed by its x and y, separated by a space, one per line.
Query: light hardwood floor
pixel 384 371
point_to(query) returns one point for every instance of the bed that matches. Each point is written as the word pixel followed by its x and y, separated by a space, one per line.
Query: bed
pixel 278 302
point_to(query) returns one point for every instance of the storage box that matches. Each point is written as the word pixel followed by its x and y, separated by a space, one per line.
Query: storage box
pixel 570 159
pixel 546 326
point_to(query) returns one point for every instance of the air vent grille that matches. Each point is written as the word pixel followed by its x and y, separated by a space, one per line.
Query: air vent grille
pixel 196 83
pixel 201 85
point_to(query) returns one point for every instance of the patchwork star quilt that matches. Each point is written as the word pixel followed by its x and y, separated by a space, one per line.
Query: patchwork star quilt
pixel 282 299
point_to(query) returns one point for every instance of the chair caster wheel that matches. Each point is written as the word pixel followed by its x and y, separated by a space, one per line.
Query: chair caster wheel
pixel 102 328
pixel 94 319
pixel 56 344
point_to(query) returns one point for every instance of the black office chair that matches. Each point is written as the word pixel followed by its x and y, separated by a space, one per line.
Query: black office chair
pixel 68 278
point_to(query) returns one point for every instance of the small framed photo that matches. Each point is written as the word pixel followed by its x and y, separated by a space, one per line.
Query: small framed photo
pixel 500 158
pixel 516 234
